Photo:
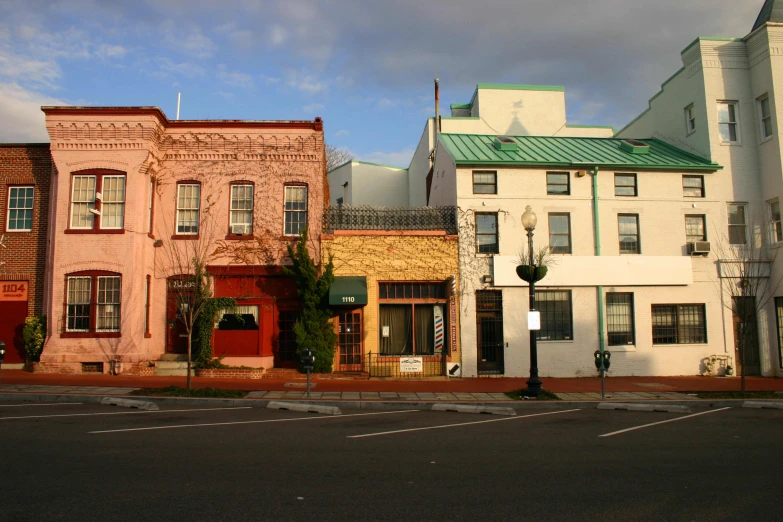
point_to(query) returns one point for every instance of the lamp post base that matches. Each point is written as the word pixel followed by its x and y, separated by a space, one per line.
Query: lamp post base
pixel 533 386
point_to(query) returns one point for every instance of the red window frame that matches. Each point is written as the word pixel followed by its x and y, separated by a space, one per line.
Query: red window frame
pixel 237 237
pixel 92 333
pixel 96 223
pixel 176 210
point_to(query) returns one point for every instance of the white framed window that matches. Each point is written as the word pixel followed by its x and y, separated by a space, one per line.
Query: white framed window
pixel 82 201
pixel 113 202
pixel 295 210
pixel 108 308
pixel 241 211
pixel 775 230
pixel 737 224
pixel 690 119
pixel 78 304
pixel 188 208
pixel 765 117
pixel 727 122
pixel 20 209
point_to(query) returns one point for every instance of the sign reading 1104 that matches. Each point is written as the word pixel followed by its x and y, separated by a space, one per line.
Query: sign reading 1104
pixel 349 299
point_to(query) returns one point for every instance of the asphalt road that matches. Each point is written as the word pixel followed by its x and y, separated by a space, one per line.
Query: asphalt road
pixel 256 464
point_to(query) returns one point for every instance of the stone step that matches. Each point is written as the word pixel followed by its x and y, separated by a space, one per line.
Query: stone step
pixel 174 357
pixel 170 365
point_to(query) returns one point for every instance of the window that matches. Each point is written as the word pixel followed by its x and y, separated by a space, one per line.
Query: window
pixel 487 234
pixel 417 327
pixel 20 209
pixel 188 208
pixel 679 324
pixel 625 184
pixel 98 202
pixel 765 117
pixel 295 210
pixel 737 233
pixel 560 233
pixel 485 182
pixel 243 317
pixel 150 203
pixel 693 186
pixel 727 122
pixel 147 284
pixel 775 230
pixel 628 226
pixel 241 212
pixel 779 316
pixel 695 228
pixel 619 318
pixel 690 119
pixel 93 304
pixel 558 183
pixel 555 308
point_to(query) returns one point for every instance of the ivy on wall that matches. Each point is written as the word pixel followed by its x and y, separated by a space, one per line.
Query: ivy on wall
pixel 202 330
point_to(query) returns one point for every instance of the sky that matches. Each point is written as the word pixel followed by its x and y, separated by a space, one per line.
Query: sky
pixel 365 66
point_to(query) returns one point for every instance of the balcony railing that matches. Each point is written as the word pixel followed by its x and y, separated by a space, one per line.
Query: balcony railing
pixel 362 217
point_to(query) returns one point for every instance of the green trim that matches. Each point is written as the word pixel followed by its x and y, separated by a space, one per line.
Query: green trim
pixel 711 39
pixel 379 165
pixel 630 166
pixel 340 166
pixel 590 127
pixel 348 290
pixel 520 87
pixel 460 106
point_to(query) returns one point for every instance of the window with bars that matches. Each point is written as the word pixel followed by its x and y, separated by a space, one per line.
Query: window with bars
pixel 241 209
pixel 693 186
pixel 295 210
pixel 556 315
pixel 628 229
pixel 93 304
pixel 20 209
pixel 412 290
pixel 487 234
pixel 188 208
pixel 558 183
pixel 679 324
pixel 625 185
pixel 485 182
pixel 695 228
pixel 619 318
pixel 560 233
pixel 97 201
pixel 779 316
pixel 737 230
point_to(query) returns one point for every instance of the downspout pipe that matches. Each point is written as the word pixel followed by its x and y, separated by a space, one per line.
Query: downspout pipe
pixel 597 234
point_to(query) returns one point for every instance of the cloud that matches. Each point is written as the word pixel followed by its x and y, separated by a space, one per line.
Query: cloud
pixel 400 158
pixel 234 78
pixel 25 69
pixel 110 51
pixel 188 39
pixel 342 132
pixel 166 68
pixel 306 83
pixel 313 107
pixel 20 111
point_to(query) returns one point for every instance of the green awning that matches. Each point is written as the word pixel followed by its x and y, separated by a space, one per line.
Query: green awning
pixel 348 290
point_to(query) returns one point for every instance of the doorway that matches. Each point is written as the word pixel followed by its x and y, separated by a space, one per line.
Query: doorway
pixel 177 300
pixel 746 336
pixel 349 341
pixel 489 332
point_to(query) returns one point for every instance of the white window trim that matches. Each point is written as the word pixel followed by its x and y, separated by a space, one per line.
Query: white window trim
pixel 306 210
pixel 98 305
pixel 735 103
pixel 728 225
pixel 73 189
pixel 197 208
pixel 103 202
pixel 68 303
pixel 761 118
pixel 688 129
pixel 771 228
pixel 8 209
pixel 231 208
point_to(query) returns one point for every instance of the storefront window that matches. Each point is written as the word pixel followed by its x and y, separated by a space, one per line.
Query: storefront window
pixel 240 318
pixel 412 328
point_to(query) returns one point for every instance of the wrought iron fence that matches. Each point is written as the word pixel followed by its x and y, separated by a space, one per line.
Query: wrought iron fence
pixel 404 366
pixel 363 217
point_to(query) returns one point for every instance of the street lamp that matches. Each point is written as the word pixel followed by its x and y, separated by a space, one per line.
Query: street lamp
pixel 529 221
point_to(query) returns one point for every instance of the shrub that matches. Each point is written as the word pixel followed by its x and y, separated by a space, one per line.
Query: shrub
pixel 34 334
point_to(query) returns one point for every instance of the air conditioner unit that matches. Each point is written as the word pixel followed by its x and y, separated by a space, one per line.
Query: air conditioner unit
pixel 699 248
pixel 240 230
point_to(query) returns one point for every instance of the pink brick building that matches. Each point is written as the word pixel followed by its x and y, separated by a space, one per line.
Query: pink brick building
pixel 132 187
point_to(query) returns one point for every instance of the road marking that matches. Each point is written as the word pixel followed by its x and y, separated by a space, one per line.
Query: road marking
pixel 251 422
pixel 47 404
pixel 118 413
pixel 455 425
pixel 663 422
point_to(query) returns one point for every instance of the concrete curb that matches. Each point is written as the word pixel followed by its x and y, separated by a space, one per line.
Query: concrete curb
pixel 671 408
pixel 128 403
pixel 470 408
pixel 766 405
pixel 305 407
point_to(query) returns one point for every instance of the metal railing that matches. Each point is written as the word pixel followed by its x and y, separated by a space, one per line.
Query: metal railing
pixel 363 217
pixel 379 365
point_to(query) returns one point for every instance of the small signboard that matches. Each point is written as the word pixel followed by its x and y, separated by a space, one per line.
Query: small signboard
pixel 385 331
pixel 13 291
pixel 411 364
pixel 534 320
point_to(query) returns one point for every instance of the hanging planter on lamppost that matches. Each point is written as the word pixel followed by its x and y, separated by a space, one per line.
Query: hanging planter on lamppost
pixel 531 274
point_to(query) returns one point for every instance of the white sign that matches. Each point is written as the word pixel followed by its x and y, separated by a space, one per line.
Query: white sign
pixel 385 331
pixel 534 320
pixel 411 364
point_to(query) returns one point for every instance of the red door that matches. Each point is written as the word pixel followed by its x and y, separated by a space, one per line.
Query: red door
pixel 12 316
pixel 176 334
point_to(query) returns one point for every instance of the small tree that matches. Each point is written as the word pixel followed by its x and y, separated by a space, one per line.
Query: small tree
pixel 34 334
pixel 744 270
pixel 313 329
pixel 336 157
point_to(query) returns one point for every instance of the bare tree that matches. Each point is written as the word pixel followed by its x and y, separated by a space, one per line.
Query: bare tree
pixel 745 276
pixel 336 157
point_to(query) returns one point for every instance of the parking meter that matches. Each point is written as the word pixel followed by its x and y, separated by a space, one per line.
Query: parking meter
pixel 598 359
pixel 607 356
pixel 2 354
pixel 308 359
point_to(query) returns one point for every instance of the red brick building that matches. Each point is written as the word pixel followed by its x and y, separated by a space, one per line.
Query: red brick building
pixel 25 181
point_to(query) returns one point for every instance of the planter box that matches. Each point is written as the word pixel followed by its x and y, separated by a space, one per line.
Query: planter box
pixel 531 273
pixel 230 373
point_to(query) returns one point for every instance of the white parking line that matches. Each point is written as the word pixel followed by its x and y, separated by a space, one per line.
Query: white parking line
pixel 455 425
pixel 118 413
pixel 662 422
pixel 46 404
pixel 251 422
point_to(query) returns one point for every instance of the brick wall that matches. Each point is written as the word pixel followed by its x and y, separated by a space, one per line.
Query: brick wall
pixel 24 255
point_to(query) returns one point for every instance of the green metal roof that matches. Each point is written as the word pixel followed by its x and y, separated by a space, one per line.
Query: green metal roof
pixel 479 149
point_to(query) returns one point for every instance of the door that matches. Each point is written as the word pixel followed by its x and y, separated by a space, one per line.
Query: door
pixel 489 331
pixel 176 333
pixel 285 350
pixel 349 341
pixel 746 336
pixel 13 312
